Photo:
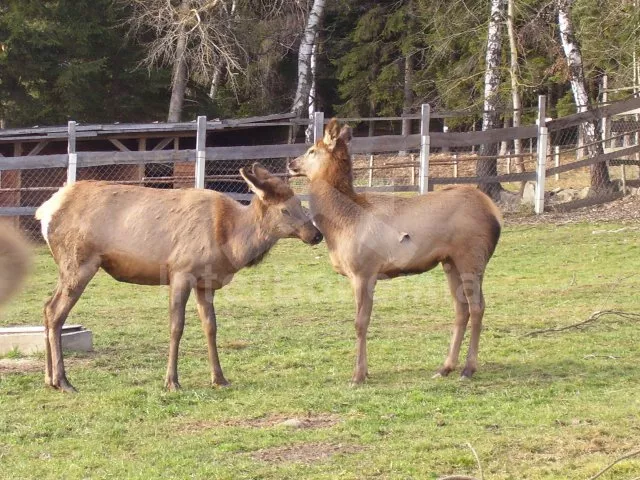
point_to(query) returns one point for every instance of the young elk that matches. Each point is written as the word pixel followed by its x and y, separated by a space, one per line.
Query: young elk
pixel 372 237
pixel 187 239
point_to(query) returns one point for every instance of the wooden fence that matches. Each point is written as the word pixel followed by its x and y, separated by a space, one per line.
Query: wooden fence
pixel 424 142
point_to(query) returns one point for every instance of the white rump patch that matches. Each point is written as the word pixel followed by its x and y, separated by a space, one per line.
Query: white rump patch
pixel 46 211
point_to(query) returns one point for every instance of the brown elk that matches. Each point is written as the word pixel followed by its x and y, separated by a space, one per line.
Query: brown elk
pixel 375 236
pixel 187 239
pixel 14 260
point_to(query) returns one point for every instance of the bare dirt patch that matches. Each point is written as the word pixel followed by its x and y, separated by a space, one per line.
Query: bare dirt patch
pixel 624 210
pixel 20 365
pixel 304 452
pixel 306 421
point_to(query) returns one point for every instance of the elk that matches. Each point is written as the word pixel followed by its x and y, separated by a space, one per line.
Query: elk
pixel 375 236
pixel 14 260
pixel 187 239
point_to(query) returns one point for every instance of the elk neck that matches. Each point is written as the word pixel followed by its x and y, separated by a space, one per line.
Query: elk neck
pixel 251 238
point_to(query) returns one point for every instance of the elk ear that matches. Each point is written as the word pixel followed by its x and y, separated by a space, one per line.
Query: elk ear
pixel 260 172
pixel 255 184
pixel 346 133
pixel 331 134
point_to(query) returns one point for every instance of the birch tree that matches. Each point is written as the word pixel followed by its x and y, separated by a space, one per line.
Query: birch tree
pixel 599 173
pixel 515 87
pixel 490 115
pixel 301 99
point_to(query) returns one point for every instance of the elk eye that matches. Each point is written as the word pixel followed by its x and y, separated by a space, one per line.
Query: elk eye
pixel 286 212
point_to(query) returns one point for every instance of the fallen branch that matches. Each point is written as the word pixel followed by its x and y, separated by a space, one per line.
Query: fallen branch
pixel 594 316
pixel 624 457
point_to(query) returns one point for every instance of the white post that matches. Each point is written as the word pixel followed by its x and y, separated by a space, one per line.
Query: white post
pixel 556 158
pixel 542 155
pixel 201 148
pixel 425 145
pixel 73 156
pixel 371 170
pixel 455 165
pixel 318 126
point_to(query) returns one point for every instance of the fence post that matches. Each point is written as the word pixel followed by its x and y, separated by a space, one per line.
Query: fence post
pixel 556 159
pixel 542 155
pixel 201 148
pixel 425 145
pixel 371 169
pixel 318 126
pixel 73 156
pixel 455 165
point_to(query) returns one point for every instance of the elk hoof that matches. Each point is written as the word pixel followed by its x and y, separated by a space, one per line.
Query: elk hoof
pixel 65 386
pixel 220 382
pixel 467 373
pixel 172 386
pixel 442 372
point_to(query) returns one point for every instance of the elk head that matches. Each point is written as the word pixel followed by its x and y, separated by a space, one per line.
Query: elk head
pixel 283 214
pixel 328 157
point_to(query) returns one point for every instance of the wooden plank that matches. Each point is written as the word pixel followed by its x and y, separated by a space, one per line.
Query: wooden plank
pixel 590 161
pixel 38 161
pixel 256 152
pixel 384 143
pixel 93 159
pixel 122 147
pixel 263 118
pixel 594 114
pixel 513 177
pixel 469 139
pixel 17 211
pixel 163 143
pixel 38 148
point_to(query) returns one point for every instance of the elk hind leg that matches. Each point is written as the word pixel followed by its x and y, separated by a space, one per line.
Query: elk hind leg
pixel 462 319
pixel 475 298
pixel 68 291
pixel 207 315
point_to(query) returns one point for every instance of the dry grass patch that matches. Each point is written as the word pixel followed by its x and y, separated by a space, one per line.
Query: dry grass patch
pixel 305 421
pixel 304 452
pixel 20 365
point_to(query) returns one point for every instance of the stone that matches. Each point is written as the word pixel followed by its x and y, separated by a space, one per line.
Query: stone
pixel 529 193
pixel 292 423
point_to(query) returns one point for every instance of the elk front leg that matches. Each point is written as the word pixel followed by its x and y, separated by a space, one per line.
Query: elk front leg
pixel 363 291
pixel 207 314
pixel 180 287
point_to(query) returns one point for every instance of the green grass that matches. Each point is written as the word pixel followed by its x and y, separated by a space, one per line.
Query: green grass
pixel 558 406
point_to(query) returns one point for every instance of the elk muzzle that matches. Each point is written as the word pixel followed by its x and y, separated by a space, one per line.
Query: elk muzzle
pixel 308 233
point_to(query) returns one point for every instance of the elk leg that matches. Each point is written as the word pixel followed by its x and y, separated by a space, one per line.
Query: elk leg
pixel 475 297
pixel 179 294
pixel 207 314
pixel 461 321
pixel 48 307
pixel 57 310
pixel 363 291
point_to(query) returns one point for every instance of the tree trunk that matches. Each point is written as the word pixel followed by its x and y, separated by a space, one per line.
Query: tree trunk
pixel 600 181
pixel 304 57
pixel 490 117
pixel 515 90
pixel 179 77
pixel 312 94
pixel 215 81
pixel 408 96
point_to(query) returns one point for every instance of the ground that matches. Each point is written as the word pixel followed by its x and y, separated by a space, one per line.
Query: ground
pixel 556 405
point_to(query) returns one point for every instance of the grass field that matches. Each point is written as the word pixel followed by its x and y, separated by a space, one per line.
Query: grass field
pixel 556 406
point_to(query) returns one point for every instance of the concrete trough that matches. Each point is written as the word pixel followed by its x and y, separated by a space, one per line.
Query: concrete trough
pixel 28 340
